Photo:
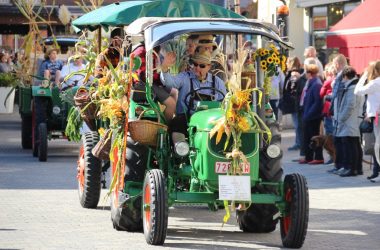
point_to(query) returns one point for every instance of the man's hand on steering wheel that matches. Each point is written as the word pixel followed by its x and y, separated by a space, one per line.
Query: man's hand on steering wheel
pixel 195 93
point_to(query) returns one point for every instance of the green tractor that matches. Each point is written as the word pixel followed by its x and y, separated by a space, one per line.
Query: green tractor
pixel 43 113
pixel 159 174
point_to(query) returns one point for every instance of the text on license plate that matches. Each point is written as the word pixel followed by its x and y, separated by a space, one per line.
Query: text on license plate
pixel 222 167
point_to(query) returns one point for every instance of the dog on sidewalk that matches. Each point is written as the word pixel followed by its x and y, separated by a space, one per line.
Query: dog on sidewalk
pixel 325 141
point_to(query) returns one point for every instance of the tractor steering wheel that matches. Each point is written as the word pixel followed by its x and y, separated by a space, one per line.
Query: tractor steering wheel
pixel 195 93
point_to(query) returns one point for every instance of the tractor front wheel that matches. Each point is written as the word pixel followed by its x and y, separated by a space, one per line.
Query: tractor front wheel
pixel 89 172
pixel 295 220
pixel 155 207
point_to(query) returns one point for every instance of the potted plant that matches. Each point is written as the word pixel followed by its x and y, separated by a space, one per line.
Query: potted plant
pixel 8 82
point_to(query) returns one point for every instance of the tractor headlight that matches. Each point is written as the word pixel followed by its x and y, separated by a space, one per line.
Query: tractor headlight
pixel 56 110
pixel 182 148
pixel 273 151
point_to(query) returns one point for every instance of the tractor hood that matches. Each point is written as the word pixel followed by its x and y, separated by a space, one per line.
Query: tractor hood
pixel 203 120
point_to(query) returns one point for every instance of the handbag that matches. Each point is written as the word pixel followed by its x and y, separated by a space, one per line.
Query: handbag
pixel 366 126
pixel 368 144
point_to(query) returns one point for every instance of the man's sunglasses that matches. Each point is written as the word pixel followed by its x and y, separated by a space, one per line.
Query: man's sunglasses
pixel 202 66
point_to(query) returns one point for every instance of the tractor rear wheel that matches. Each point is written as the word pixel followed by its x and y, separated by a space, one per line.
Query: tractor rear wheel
pixel 26 131
pixel 295 221
pixel 43 142
pixel 155 207
pixel 258 218
pixel 89 172
pixel 128 216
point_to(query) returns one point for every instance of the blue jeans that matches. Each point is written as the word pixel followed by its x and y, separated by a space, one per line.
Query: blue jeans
pixel 328 125
pixel 297 129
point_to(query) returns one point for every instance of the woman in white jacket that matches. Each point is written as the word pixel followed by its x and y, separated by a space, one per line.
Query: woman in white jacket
pixel 369 84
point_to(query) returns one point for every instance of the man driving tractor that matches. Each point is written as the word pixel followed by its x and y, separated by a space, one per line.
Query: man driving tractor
pixel 192 84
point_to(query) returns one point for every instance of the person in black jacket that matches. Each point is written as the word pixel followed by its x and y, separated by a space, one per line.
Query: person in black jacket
pixel 290 98
pixel 312 114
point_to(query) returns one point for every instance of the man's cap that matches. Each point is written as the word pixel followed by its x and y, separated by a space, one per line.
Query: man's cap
pixel 202 57
pixel 207 40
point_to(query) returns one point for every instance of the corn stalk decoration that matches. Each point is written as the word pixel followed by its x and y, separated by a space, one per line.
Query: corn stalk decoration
pixel 33 40
pixel 238 118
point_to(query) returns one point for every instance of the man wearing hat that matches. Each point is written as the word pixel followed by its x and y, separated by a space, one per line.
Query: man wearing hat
pixel 72 70
pixel 51 67
pixel 186 82
pixel 207 43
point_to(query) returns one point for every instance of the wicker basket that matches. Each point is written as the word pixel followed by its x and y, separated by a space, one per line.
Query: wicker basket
pixel 145 131
pixel 103 147
pixel 244 80
pixel 88 109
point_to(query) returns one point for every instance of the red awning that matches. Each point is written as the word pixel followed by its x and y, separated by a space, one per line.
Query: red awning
pixel 357 36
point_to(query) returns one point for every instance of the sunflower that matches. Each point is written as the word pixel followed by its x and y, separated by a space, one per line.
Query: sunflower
pixel 266 52
pixel 277 60
pixel 263 64
pixel 274 56
pixel 270 60
pixel 264 68
pixel 262 52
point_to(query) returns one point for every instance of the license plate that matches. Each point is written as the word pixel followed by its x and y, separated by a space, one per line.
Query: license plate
pixel 223 167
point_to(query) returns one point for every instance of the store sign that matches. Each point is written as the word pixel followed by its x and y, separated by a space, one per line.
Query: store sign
pixel 320 23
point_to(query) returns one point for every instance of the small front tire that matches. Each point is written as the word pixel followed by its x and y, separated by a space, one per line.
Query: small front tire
pixel 295 220
pixel 155 207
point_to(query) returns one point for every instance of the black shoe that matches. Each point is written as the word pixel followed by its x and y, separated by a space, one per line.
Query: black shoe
pixel 347 173
pixel 372 176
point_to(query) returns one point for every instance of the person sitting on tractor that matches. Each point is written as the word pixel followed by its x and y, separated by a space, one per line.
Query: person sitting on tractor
pixel 112 53
pixel 191 45
pixel 165 95
pixel 207 43
pixel 51 67
pixel 71 69
pixel 190 84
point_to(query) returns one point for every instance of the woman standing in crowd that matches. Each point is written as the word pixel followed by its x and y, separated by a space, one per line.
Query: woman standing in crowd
pixel 347 109
pixel 290 99
pixel 371 88
pixel 325 94
pixel 312 114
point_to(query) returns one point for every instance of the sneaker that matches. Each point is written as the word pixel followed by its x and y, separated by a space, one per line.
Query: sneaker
pixel 373 176
pixel 315 162
pixel 332 171
pixel 341 170
pixel 294 147
pixel 377 179
pixel 329 162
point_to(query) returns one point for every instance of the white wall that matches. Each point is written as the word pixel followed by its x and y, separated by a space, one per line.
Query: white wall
pixel 298 29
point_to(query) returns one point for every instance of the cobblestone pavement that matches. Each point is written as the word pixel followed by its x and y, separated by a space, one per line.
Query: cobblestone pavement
pixel 39 207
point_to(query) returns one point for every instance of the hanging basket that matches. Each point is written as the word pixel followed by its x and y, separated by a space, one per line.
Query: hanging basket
pixel 82 99
pixel 145 131
pixel 103 147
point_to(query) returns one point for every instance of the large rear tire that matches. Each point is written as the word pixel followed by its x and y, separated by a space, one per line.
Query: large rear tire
pixel 43 142
pixel 295 221
pixel 155 207
pixel 89 172
pixel 258 218
pixel 26 131
pixel 128 216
